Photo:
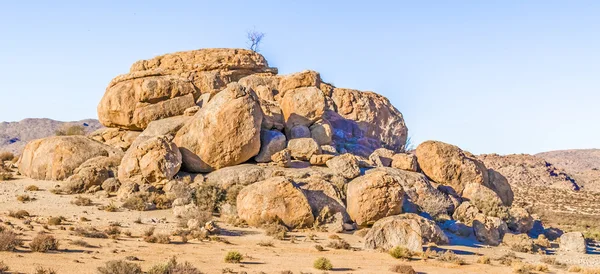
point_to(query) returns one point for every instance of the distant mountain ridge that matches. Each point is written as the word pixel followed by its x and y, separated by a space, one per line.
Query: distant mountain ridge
pixel 582 164
pixel 15 135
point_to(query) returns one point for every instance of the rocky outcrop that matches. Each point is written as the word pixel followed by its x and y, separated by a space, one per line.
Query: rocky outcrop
pixel 262 202
pixel 118 138
pixel 152 161
pixel 55 158
pixel 489 230
pixel 241 175
pixel 405 161
pixel 405 230
pixel 374 196
pixel 92 172
pixel 303 148
pixel 345 165
pixel 167 85
pixel 223 133
pixel 164 127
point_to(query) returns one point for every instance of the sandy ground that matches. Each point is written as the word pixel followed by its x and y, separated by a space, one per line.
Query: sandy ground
pixel 206 255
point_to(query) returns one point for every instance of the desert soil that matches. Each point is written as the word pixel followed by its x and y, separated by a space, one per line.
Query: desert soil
pixel 296 256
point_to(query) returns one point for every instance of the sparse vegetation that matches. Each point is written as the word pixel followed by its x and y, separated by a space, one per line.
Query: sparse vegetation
pixel 135 203
pixel 400 252
pixel 81 243
pixel 44 243
pixel 23 198
pixel 42 270
pixel 319 248
pixel 3 267
pixel 9 240
pixel 68 130
pixel 450 257
pixel 276 230
pixel 32 188
pixel 55 220
pixel 82 201
pixel 484 260
pixel 403 269
pixel 90 233
pixel 173 267
pixel 120 267
pixel 209 197
pixel 265 243
pixel 20 214
pixel 254 39
pixel 6 156
pixel 322 263
pixel 575 268
pixel 233 257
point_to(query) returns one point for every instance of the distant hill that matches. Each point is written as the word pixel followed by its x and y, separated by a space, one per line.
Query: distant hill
pixel 15 135
pixel 582 164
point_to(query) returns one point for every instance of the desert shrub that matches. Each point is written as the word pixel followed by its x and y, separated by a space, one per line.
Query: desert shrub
pixel 42 270
pixel 136 202
pixel 265 243
pixel 113 231
pixel 540 268
pixel 209 197
pixel 20 214
pixel 402 268
pixel 55 221
pixel 522 268
pixel 322 263
pixel 23 198
pixel 32 188
pixel 9 240
pixel 233 257
pixel 44 243
pixel 232 193
pixel 339 244
pixel 90 233
pixel 275 230
pixel 149 231
pixel 400 252
pixel 435 204
pixel 319 248
pixel 5 175
pixel 120 267
pixel 542 241
pixel 3 267
pixel 173 267
pixel 158 239
pixel 6 156
pixel 592 234
pixel 81 243
pixel 81 201
pixel 575 268
pixel 484 260
pixel 111 207
pixel 201 215
pixel 509 258
pixel 450 257
pixel 492 208
pixel 70 130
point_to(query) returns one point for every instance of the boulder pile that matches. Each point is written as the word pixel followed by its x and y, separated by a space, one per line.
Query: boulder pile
pixel 223 125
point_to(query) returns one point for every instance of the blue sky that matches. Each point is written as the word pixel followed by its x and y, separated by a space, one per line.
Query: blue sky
pixel 488 76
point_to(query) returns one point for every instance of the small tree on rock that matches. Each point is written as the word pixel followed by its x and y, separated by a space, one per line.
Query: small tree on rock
pixel 254 39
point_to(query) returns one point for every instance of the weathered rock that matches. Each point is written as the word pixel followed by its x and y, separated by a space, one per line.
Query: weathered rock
pixel 484 199
pixel 466 213
pixel 519 242
pixel 55 158
pixel 118 138
pixel 152 161
pixel 223 133
pixel 307 78
pixel 262 203
pixel 324 198
pixel 322 132
pixel 345 165
pixel 375 116
pixel 167 85
pixel 299 131
pixel 573 242
pixel 405 161
pixel 327 149
pixel 406 230
pixel 449 165
pixel 191 111
pixel 374 196
pixel 419 191
pixel 457 228
pixel 302 106
pixel 382 157
pixel 320 160
pixel 163 127
pixel 499 184
pixel 271 142
pixel 489 230
pixel 111 185
pixel 303 148
pixel 242 175
pixel 520 221
pixel 92 172
pixel 282 158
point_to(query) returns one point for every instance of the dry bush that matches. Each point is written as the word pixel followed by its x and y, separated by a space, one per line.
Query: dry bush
pixel 265 243
pixel 400 252
pixel 150 237
pixel 90 233
pixel 81 243
pixel 149 231
pixel 233 257
pixel 450 257
pixel 81 201
pixel 42 270
pixel 173 267
pixel 136 202
pixel 509 258
pixel 5 175
pixel 120 267
pixel 322 263
pixel 3 268
pixel 209 197
pixel 484 260
pixel 540 268
pixel 113 232
pixel 55 220
pixel 591 271
pixel 69 130
pixel 32 188
pixel 111 207
pixel 44 243
pixel 522 268
pixel 542 241
pixel 9 240
pixel 435 204
pixel 402 268
pixel 202 216
pixel 276 230
pixel 23 198
pixel 575 268
pixel 6 156
pixel 232 193
pixel 319 248
pixel 339 244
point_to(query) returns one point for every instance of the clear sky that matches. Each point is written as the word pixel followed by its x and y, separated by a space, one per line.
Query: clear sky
pixel 489 76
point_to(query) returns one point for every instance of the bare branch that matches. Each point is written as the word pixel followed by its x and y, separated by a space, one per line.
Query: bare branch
pixel 254 39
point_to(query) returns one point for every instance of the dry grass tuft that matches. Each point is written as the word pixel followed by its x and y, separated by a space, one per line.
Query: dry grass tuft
pixel 8 240
pixel 233 257
pixel 400 252
pixel 322 263
pixel 32 188
pixel 3 268
pixel 403 269
pixel 484 260
pixel 450 257
pixel 120 267
pixel 42 270
pixel 81 201
pixel 339 244
pixel 276 230
pixel 44 243
pixel 173 267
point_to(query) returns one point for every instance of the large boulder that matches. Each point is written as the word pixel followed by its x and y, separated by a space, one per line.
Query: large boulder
pixel 489 230
pixel 303 148
pixel 500 185
pixel 520 221
pixel 405 161
pixel 573 242
pixel 152 161
pixel 302 106
pixel 346 165
pixel 519 242
pixel 449 165
pixel 324 197
pixel 225 132
pixel 263 202
pixel 241 175
pixel 406 230
pixel 167 85
pixel 55 158
pixel 382 157
pixel 376 117
pixel 374 196
pixel 92 172
pixel 466 213
pixel 271 142
pixel 485 199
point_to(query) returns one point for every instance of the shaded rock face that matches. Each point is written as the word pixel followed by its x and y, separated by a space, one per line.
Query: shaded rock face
pixel 489 230
pixel 449 165
pixel 55 158
pixel 573 242
pixel 164 127
pixel 152 161
pixel 262 202
pixel 167 85
pixel 93 172
pixel 345 165
pixel 520 221
pixel 223 133
pixel 374 196
pixel 272 141
pixel 121 139
pixel 406 230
